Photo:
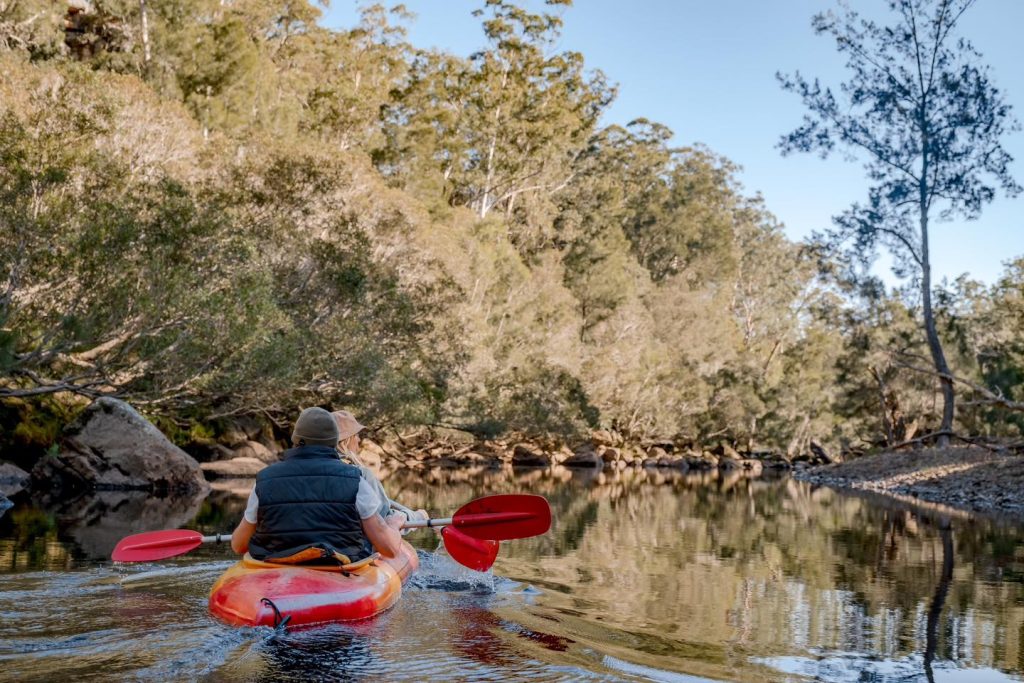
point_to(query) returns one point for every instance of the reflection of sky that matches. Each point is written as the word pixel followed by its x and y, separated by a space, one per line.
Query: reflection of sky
pixel 650 673
pixel 707 70
pixel 834 620
pixel 851 667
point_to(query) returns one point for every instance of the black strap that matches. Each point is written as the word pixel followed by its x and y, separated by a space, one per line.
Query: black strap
pixel 279 621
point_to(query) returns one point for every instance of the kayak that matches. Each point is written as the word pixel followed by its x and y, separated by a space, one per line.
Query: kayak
pixel 255 593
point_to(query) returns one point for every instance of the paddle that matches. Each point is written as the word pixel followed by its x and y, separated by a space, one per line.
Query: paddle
pixel 492 518
pixel 470 552
pixel 496 518
pixel 159 545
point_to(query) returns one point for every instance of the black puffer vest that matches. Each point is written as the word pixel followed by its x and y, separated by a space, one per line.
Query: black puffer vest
pixel 308 501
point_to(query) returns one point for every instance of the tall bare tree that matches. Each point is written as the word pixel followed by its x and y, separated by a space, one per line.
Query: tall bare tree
pixel 922 112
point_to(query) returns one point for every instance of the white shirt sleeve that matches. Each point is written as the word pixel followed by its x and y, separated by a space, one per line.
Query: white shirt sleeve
pixel 251 507
pixel 367 500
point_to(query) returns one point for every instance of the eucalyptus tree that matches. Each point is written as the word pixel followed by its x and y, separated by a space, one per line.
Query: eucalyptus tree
pixel 921 110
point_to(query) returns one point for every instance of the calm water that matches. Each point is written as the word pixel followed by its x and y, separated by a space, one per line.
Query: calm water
pixel 644 576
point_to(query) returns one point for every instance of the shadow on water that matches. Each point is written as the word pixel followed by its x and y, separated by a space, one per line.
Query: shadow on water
pixel 645 575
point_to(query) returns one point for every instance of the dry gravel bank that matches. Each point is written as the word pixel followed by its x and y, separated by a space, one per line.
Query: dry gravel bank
pixel 970 479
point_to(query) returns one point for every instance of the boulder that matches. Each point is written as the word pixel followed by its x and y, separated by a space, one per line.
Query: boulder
pixel 235 468
pixel 561 454
pixel 12 479
pixel 270 443
pixel 584 457
pixel 603 437
pixel 727 452
pixel 240 429
pixel 474 458
pixel 111 447
pixel 753 466
pixel 821 456
pixel 254 449
pixel 524 455
pixel 656 452
pixel 610 455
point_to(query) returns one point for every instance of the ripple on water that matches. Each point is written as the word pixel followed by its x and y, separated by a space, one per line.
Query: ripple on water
pixel 682 582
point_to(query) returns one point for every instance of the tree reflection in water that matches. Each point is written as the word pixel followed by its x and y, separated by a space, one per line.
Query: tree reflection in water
pixel 719 575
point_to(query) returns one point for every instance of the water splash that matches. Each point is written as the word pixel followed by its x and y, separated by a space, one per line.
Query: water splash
pixel 438 571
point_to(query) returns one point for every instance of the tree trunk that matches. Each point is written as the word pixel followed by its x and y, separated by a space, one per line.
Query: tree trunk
pixel 890 437
pixel 146 54
pixel 489 181
pixel 934 343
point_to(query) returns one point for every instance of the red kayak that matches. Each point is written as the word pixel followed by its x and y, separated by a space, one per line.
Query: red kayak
pixel 255 593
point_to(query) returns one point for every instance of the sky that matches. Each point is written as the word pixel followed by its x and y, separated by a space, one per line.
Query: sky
pixel 707 71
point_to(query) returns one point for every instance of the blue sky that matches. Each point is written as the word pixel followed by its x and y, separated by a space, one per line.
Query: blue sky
pixel 707 70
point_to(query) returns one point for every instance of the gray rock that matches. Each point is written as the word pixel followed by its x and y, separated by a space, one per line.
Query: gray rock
pixel 657 452
pixel 110 446
pixel 526 456
pixel 584 457
pixel 233 468
pixel 12 479
pixel 729 453
pixel 254 449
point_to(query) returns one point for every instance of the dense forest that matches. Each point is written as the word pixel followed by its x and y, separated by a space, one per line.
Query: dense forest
pixel 211 208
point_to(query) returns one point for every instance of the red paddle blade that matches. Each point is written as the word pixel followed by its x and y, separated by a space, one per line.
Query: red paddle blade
pixel 156 545
pixel 504 517
pixel 468 551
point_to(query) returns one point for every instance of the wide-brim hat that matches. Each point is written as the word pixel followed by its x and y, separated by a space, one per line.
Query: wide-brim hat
pixel 348 425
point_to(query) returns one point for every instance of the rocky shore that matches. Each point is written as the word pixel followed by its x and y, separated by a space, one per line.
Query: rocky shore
pixel 111 447
pixel 432 448
pixel 968 479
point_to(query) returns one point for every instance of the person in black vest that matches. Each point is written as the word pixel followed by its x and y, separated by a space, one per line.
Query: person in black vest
pixel 312 507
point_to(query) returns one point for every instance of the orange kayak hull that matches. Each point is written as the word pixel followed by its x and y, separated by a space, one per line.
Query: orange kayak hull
pixel 254 593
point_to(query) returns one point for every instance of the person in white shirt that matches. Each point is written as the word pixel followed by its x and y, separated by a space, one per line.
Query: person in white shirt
pixel 312 507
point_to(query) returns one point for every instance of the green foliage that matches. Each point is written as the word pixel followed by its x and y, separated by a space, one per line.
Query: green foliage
pixel 258 213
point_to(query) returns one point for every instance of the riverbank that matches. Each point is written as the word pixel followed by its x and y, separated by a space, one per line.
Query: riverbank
pixel 969 479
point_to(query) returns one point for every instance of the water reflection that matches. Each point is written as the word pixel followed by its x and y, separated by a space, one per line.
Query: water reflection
pixel 644 575
pixel 695 572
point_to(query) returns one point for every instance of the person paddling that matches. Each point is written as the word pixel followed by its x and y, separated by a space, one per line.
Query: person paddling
pixel 311 507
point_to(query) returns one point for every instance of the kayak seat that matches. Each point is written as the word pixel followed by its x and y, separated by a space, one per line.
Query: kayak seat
pixel 251 563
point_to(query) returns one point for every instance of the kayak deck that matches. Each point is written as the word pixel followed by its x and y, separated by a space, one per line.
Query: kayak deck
pixel 254 593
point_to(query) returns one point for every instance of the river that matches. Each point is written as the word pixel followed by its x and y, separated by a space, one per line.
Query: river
pixel 644 576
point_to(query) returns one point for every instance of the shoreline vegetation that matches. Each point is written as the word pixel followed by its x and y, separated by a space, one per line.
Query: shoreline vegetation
pixel 223 212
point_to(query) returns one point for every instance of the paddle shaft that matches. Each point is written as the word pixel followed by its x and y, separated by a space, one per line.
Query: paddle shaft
pixel 462 520
pixel 469 520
